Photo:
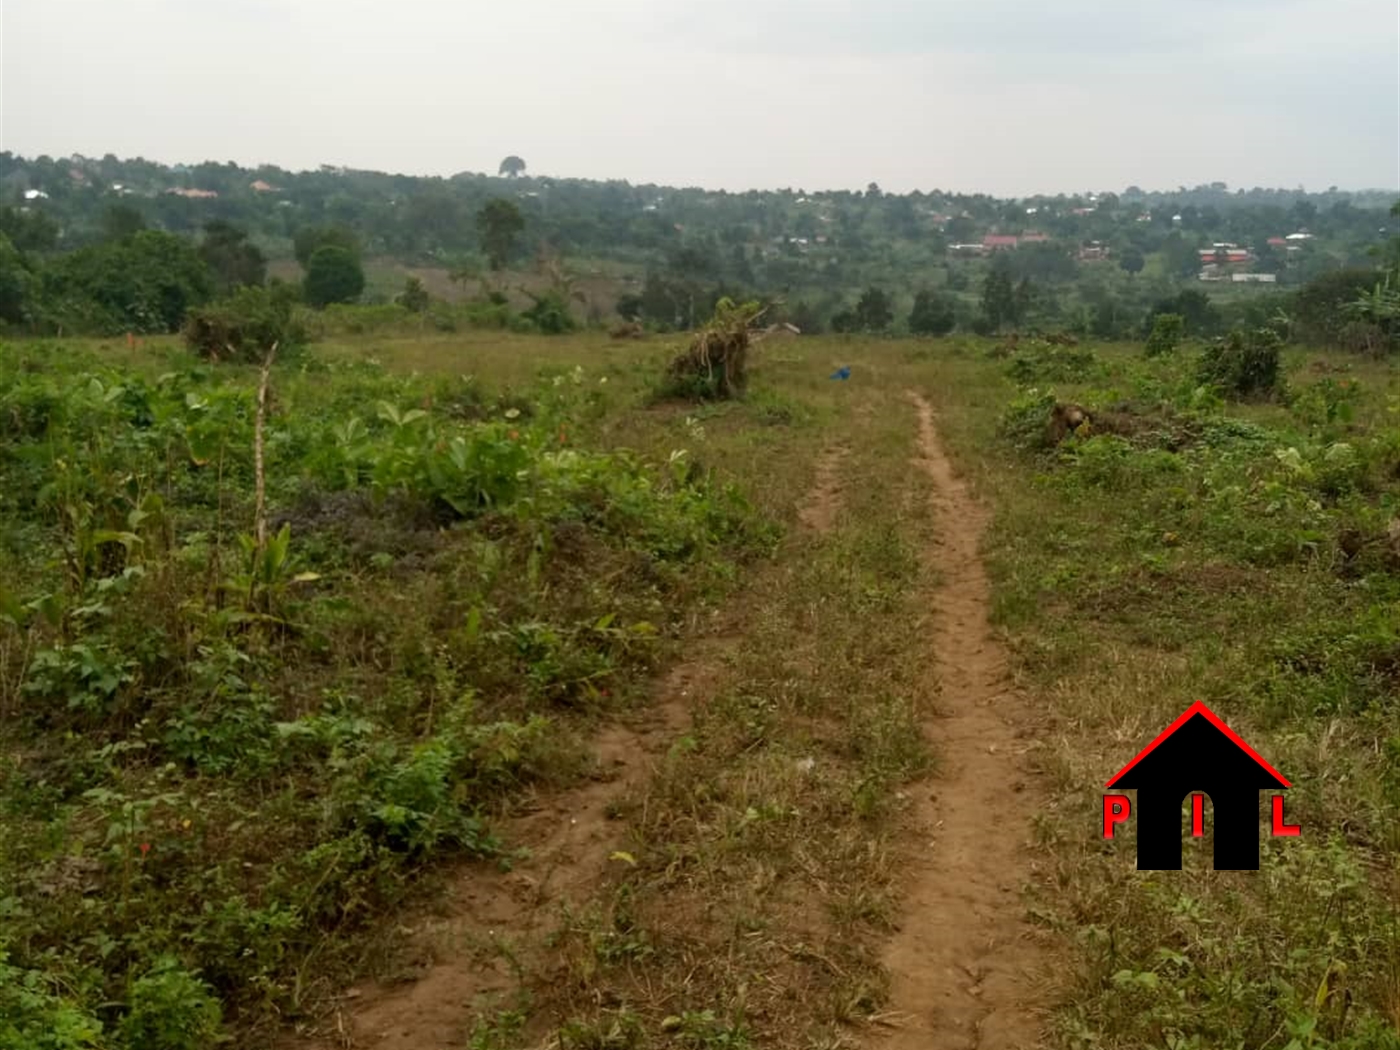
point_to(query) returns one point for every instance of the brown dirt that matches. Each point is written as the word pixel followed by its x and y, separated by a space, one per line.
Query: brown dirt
pixel 966 970
pixel 489 938
pixel 818 512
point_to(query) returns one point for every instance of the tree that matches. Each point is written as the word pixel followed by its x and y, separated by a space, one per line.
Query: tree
pixel 933 314
pixel 1166 334
pixel 1132 261
pixel 414 296
pixel 29 231
pixel 499 223
pixel 145 283
pixel 999 294
pixel 309 239
pixel 873 313
pixel 333 275
pixel 121 221
pixel 512 167
pixel 16 283
pixel 231 257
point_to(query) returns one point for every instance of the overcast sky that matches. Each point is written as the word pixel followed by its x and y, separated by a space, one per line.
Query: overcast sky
pixel 999 96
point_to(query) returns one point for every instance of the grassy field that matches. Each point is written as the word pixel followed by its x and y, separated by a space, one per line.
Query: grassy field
pixel 630 697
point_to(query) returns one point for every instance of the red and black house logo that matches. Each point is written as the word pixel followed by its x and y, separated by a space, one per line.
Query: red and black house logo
pixel 1197 755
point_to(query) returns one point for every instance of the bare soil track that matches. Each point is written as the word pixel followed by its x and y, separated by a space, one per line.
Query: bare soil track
pixel 966 972
pixel 489 941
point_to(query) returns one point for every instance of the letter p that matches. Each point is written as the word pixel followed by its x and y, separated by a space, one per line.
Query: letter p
pixel 1116 809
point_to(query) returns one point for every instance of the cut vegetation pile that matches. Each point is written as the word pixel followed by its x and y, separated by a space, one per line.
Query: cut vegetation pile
pixel 714 366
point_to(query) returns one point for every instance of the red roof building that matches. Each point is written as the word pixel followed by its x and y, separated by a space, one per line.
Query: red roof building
pixel 996 240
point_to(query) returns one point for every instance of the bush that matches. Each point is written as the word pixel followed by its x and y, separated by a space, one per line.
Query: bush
pixel 334 275
pixel 1167 330
pixel 1025 422
pixel 551 315
pixel 243 326
pixel 933 314
pixel 1243 364
pixel 414 297
pixel 171 1009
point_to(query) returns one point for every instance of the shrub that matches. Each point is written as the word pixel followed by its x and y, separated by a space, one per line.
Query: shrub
pixel 1025 422
pixel 550 314
pixel 414 297
pixel 243 326
pixel 171 1009
pixel 334 275
pixel 1167 330
pixel 1243 364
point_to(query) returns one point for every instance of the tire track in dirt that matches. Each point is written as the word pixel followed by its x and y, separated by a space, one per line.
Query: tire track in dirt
pixel 818 511
pixel 489 938
pixel 966 973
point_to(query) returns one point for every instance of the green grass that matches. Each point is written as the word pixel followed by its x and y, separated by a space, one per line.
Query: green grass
pixel 1133 580
pixel 301 758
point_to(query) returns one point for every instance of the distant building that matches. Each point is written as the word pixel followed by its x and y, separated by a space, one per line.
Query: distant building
pixel 1300 236
pixel 995 242
pixel 264 187
pixel 192 194
pixel 1033 238
pixel 35 195
pixel 1277 242
pixel 1230 256
pixel 1254 278
pixel 967 249
pixel 1092 252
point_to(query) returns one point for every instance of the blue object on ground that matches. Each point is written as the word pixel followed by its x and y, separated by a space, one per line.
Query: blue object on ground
pixel 844 372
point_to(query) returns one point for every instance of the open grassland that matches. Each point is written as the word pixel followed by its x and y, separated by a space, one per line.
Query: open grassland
pixel 513 592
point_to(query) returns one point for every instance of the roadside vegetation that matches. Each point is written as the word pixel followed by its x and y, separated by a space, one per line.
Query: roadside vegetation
pixel 1224 526
pixel 237 738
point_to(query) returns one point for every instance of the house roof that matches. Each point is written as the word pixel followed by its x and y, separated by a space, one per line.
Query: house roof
pixel 997 240
pixel 1199 710
pixel 1277 242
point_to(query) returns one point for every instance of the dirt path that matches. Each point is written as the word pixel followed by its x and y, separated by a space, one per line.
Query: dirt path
pixel 965 972
pixel 490 938
pixel 818 512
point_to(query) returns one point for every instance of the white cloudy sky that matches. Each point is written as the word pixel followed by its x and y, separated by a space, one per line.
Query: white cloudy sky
pixel 998 96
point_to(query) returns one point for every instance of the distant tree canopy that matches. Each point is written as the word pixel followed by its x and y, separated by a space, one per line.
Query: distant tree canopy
pixel 16 283
pixel 933 314
pixel 872 313
pixel 309 239
pixel 512 167
pixel 333 275
pixel 999 302
pixel 1131 260
pixel 233 260
pixel 144 283
pixel 29 231
pixel 120 221
pixel 1320 306
pixel 499 223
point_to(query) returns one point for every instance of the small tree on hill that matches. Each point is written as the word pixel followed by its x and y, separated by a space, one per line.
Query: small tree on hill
pixel 234 260
pixel 414 296
pixel 1132 261
pixel 310 238
pixel 333 275
pixel 933 314
pixel 499 223
pixel 873 313
pixel 999 295
pixel 1243 365
pixel 1167 330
